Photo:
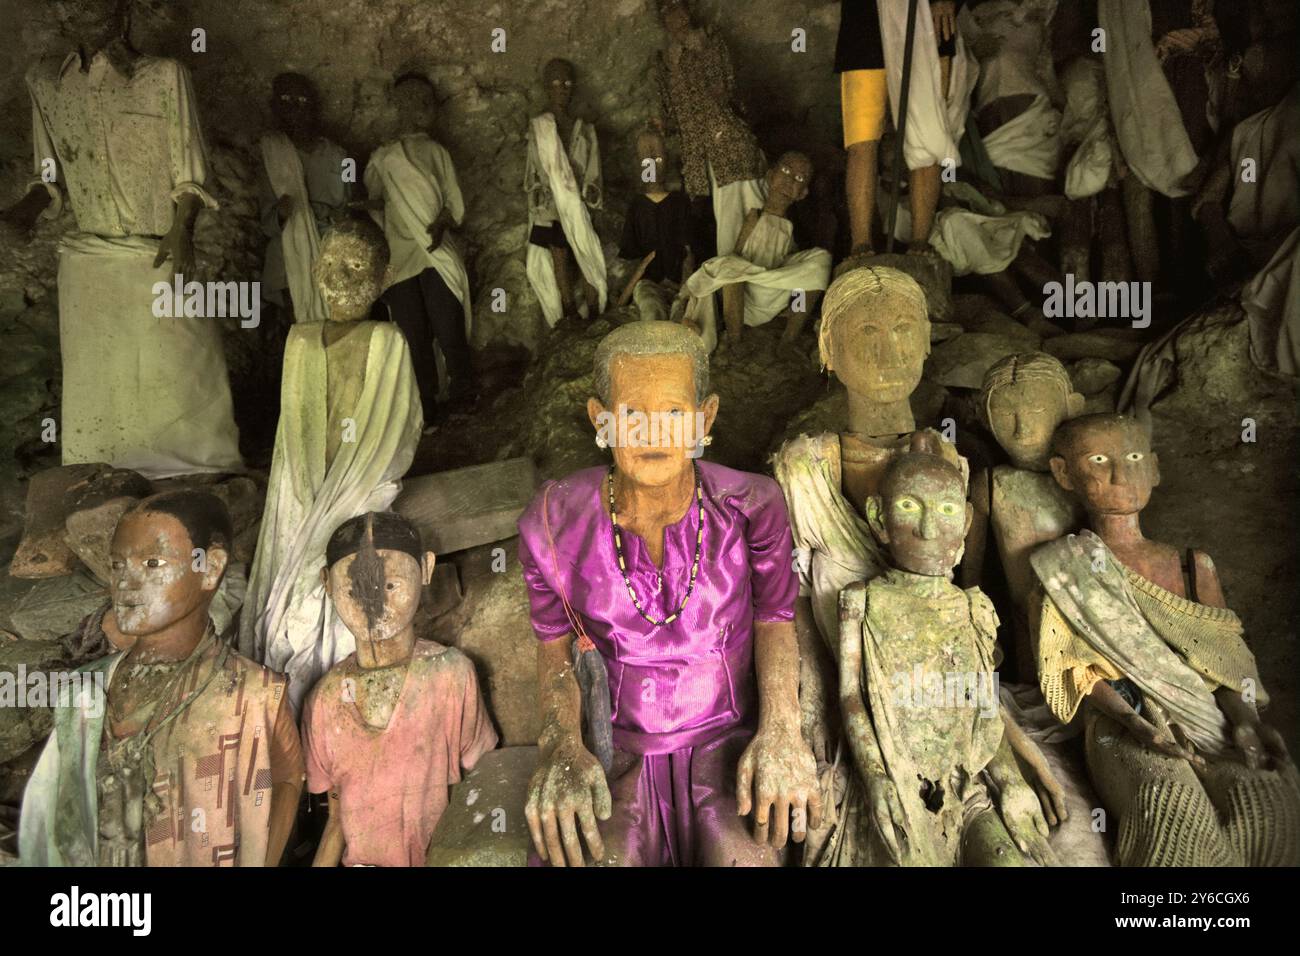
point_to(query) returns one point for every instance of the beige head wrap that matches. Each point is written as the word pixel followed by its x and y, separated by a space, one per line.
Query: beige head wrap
pixel 880 285
pixel 1023 367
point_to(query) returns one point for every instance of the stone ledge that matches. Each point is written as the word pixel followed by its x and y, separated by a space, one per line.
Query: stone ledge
pixel 484 822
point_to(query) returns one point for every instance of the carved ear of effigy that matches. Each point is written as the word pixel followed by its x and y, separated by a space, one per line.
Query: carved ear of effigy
pixel 215 560
pixel 1060 472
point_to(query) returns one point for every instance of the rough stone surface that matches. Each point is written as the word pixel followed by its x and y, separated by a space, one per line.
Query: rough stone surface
pixel 43 551
pixel 962 362
pixel 443 593
pixel 244 497
pixel 491 625
pixel 943 331
pixel 1103 401
pixel 1215 375
pixel 968 306
pixel 467 507
pixel 484 823
pixel 998 323
pixel 21 728
pixel 1093 375
pixel 90 535
pixel 1095 344
pixel 52 608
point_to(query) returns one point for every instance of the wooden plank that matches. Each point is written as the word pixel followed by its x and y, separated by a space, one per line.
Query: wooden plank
pixel 466 507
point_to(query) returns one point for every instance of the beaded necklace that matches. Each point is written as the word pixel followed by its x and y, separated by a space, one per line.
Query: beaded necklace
pixel 622 562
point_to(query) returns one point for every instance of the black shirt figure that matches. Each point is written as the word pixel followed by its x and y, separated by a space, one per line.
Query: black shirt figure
pixel 659 227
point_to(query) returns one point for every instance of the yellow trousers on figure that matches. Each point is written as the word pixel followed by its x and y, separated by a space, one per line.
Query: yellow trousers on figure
pixel 863 97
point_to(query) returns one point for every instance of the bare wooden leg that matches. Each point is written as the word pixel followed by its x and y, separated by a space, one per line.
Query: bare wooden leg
pixel 860 184
pixel 560 257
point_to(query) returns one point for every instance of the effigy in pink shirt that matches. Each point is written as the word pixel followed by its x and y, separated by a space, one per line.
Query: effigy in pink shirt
pixel 393 783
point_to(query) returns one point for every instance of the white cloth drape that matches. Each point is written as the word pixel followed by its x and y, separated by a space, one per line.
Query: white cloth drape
pixel 834 541
pixel 935 123
pixel 558 174
pixel 982 236
pixel 1086 122
pixel 416 179
pixel 140 391
pixel 731 203
pixel 299 239
pixel 768 270
pixel 1272 303
pixel 1029 143
pixel 1148 123
pixel 288 622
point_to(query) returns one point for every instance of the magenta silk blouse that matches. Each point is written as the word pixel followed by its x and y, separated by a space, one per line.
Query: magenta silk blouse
pixel 681 684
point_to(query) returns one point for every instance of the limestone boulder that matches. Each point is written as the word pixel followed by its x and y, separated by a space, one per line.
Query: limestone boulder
pixel 26 672
pixel 943 331
pixel 1093 375
pixel 1096 344
pixel 998 323
pixel 928 402
pixel 51 608
pixel 484 822
pixel 492 626
pixel 43 552
pixel 94 506
pixel 962 362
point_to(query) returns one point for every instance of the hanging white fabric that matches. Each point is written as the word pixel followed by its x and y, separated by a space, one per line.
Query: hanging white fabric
pixel 298 236
pixel 1086 122
pixel 574 219
pixel 288 621
pixel 416 179
pixel 935 123
pixel 141 390
pixel 1148 123
pixel 768 270
pixel 1029 143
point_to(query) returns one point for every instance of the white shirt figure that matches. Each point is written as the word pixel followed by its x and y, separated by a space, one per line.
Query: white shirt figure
pixel 416 179
pixel 141 390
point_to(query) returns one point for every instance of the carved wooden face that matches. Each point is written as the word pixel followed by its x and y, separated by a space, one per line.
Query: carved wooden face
pixel 156 579
pixel 922 516
pixel 652 154
pixel 350 273
pixel 558 81
pixel 92 24
pixel 791 177
pixel 295 105
pixel 654 421
pixel 1024 415
pixel 416 106
pixel 879 352
pixel 1110 466
pixel 377 592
